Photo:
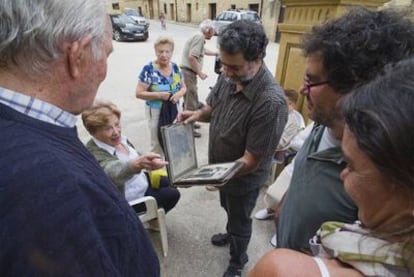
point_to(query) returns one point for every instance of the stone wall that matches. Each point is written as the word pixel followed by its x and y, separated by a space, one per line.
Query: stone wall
pixel 195 11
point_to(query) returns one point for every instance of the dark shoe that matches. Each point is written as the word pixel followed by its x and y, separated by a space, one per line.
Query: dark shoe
pixel 220 239
pixel 197 126
pixel 196 134
pixel 233 272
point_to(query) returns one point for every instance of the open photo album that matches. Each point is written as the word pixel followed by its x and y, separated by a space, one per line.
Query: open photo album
pixel 180 152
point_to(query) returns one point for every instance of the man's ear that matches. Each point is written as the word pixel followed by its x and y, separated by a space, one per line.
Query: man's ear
pixel 78 53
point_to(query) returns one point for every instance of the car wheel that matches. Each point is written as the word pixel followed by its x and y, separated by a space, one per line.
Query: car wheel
pixel 117 36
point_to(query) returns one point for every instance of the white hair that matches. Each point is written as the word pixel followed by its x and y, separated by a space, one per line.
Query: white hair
pixel 206 25
pixel 32 32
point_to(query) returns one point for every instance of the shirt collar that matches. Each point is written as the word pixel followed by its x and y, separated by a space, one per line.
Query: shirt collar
pixel 110 149
pixel 252 85
pixel 36 108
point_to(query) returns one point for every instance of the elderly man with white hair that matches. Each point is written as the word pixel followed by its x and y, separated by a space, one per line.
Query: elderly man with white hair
pixel 61 214
pixel 192 64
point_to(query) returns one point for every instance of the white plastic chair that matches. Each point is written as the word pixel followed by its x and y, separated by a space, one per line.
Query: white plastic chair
pixel 153 212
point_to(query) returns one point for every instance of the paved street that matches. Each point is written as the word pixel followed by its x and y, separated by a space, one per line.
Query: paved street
pixel 197 215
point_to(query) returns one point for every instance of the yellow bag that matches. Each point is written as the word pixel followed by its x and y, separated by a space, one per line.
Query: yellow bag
pixel 155 176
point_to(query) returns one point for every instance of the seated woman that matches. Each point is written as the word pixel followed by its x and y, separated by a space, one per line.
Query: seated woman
pixel 379 150
pixel 119 159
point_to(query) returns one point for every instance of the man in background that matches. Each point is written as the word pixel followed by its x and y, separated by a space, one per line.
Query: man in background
pixel 192 65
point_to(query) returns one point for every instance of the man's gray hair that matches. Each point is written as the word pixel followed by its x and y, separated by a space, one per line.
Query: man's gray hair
pixel 206 25
pixel 33 32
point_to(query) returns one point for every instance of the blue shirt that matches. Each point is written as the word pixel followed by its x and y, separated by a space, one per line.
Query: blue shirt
pixel 151 76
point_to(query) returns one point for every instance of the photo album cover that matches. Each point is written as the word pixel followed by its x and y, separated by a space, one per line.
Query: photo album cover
pixel 180 152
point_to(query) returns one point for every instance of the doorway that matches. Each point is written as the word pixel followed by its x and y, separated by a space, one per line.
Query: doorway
pixel 212 10
pixel 172 13
pixel 188 12
pixel 254 7
pixel 151 9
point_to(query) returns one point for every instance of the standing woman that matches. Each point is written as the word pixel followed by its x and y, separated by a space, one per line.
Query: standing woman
pixel 160 82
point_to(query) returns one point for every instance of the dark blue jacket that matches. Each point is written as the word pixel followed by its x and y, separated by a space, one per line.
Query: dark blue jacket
pixel 60 215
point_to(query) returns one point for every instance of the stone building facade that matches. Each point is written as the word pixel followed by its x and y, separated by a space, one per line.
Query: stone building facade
pixel 288 19
pixel 195 11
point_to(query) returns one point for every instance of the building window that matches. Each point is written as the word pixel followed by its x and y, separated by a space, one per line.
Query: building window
pixel 115 6
pixel 165 8
pixel 254 7
pixel 197 6
pixel 233 7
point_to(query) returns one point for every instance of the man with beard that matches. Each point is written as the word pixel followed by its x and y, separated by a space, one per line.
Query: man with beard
pixel 341 55
pixel 247 113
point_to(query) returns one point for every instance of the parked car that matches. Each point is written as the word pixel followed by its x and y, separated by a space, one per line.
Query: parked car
pixel 134 15
pixel 230 16
pixel 124 28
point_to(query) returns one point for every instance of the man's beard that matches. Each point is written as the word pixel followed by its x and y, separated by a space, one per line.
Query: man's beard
pixel 239 80
pixel 242 79
pixel 325 118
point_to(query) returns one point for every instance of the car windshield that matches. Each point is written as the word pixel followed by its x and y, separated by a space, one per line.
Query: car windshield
pixel 131 13
pixel 250 16
pixel 123 19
